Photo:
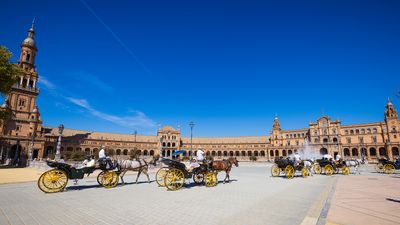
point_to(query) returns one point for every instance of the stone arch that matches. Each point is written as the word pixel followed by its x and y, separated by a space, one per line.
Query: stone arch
pixel 152 152
pixel 284 153
pixel 87 151
pixel 290 152
pixel 168 153
pixel 35 153
pixel 363 152
pixel 395 151
pixel 255 153
pixel 346 152
pixel 276 153
pixel 118 151
pixel 213 153
pixel 225 153
pixel 145 152
pixel 323 151
pixel 243 153
pixel 249 153
pixel 237 153
pixel 382 151
pixel 231 153
pixel 125 152
pixel 354 152
pixel 262 153
pixel 219 153
pixel 372 151
pixel 271 153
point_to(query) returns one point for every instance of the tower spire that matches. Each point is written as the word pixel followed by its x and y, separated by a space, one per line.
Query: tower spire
pixel 33 23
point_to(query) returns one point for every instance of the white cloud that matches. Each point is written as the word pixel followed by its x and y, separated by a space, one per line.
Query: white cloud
pixel 47 83
pixel 138 119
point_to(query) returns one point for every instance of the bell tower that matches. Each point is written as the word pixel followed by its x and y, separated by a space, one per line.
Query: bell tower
pixel 22 98
pixel 392 127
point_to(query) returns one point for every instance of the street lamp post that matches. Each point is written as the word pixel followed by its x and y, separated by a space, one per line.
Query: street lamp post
pixel 58 153
pixel 191 124
pixel 135 134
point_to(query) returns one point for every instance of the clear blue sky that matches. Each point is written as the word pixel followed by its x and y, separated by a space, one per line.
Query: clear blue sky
pixel 229 66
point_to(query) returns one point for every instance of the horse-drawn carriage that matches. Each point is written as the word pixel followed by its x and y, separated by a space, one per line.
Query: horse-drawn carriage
pixel 174 174
pixel 387 166
pixel 288 167
pixel 329 167
pixel 56 179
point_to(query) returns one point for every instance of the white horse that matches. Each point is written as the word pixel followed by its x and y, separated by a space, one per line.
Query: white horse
pixel 139 165
pixel 352 163
pixel 308 165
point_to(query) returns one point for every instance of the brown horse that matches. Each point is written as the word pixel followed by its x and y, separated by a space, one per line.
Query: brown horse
pixel 225 165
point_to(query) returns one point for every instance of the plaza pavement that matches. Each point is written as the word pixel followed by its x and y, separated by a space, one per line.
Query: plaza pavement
pixel 253 197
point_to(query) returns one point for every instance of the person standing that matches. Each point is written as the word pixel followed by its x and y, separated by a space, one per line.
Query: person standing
pixel 200 155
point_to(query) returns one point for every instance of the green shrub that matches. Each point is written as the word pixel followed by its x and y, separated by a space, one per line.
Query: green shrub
pixel 253 158
pixel 78 156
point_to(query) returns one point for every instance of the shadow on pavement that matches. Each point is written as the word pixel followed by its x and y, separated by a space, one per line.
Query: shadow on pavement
pixel 83 187
pixel 393 200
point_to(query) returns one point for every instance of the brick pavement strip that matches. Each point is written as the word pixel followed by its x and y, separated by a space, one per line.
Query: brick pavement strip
pixel 370 199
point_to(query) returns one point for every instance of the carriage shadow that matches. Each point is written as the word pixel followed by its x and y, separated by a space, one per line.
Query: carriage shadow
pixel 192 184
pixel 79 187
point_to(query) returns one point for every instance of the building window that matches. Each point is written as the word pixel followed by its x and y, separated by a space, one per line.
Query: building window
pixel 348 140
pixel 21 102
pixel 28 57
pixel 325 140
pixel 346 132
pixel 361 140
pixel 335 140
pixel 374 139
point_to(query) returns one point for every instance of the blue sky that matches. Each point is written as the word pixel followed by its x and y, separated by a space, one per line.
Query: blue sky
pixel 229 66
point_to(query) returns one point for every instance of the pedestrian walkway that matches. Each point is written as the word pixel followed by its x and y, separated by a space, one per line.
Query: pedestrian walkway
pixel 19 175
pixel 366 200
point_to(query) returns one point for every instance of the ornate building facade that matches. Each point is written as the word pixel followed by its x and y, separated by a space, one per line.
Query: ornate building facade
pixel 24 133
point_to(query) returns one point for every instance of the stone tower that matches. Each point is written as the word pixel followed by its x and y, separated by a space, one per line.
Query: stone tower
pixel 392 126
pixel 25 123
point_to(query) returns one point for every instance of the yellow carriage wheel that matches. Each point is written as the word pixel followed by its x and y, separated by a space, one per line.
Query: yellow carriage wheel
pixel 53 181
pixel 109 179
pixel 379 168
pixel 289 171
pixel 328 170
pixel 100 178
pixel 317 169
pixel 174 179
pixel 160 176
pixel 211 179
pixel 304 172
pixel 389 169
pixel 275 171
pixel 345 170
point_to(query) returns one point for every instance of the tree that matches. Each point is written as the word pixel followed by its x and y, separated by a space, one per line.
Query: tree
pixel 9 73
